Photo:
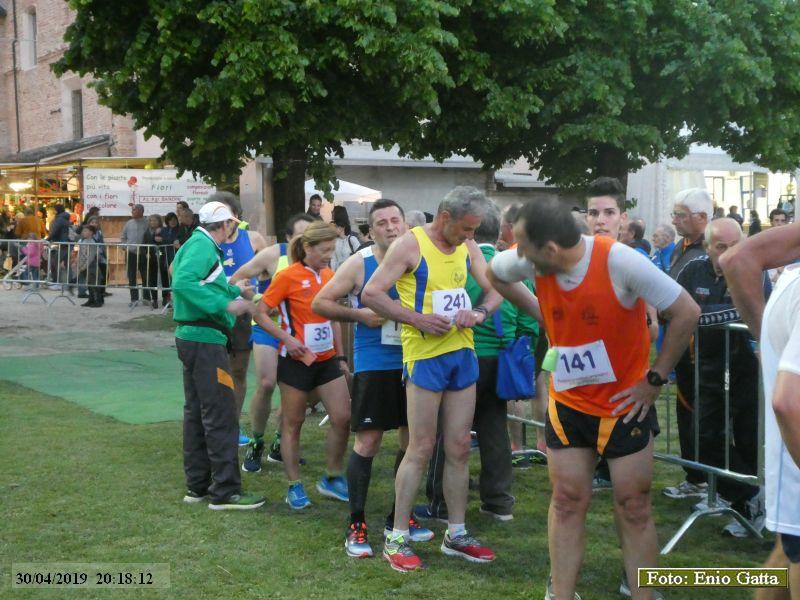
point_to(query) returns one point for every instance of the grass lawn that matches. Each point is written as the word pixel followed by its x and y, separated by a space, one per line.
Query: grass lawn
pixel 81 487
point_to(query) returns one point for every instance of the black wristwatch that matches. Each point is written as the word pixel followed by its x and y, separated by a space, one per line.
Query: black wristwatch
pixel 655 379
pixel 341 358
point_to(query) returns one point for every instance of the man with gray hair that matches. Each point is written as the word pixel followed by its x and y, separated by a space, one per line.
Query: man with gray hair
pixel 133 233
pixel 415 218
pixel 702 277
pixel 429 267
pixel 664 241
pixel 691 213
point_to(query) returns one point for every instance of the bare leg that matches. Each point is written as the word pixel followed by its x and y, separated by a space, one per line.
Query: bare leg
pixel 368 442
pixel 266 362
pixel 293 403
pixel 402 438
pixel 458 410
pixel 517 408
pixel 631 478
pixel 239 363
pixel 571 477
pixel 540 407
pixel 336 399
pixel 779 560
pixel 423 413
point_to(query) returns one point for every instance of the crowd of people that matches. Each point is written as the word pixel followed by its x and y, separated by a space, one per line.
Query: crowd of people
pixel 435 306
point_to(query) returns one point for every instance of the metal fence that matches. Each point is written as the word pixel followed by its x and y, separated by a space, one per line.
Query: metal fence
pixel 88 267
pixel 665 405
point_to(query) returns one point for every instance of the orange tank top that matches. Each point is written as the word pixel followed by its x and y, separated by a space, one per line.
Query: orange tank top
pixel 596 336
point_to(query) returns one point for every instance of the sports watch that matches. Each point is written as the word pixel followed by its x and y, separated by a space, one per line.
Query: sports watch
pixel 655 379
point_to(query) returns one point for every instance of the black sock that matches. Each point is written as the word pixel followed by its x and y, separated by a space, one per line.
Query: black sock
pixel 359 471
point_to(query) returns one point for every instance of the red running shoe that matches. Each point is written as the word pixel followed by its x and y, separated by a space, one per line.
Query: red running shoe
pixel 400 556
pixel 467 547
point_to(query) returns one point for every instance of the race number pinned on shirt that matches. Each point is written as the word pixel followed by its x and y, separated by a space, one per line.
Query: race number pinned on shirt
pixel 390 333
pixel 318 336
pixel 448 302
pixel 582 365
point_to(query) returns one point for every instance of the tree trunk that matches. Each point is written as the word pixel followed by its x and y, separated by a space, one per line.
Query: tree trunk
pixel 288 184
pixel 612 162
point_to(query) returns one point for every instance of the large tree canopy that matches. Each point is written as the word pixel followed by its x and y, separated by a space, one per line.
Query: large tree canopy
pixel 218 80
pixel 577 87
pixel 633 81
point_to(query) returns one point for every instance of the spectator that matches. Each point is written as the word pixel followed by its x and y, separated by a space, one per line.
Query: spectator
pixel 152 237
pixel 415 218
pixel 33 252
pixel 102 277
pixel 88 266
pixel 755 224
pixel 348 242
pixel 314 207
pixel 187 222
pixel 705 282
pixel 690 216
pixel 93 211
pixel 644 243
pixel 133 234
pixel 719 212
pixel 29 223
pixel 59 253
pixel 664 241
pixel 778 217
pixel 733 213
pixel 632 235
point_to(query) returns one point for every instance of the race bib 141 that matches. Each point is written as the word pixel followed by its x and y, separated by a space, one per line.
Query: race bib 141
pixel 582 365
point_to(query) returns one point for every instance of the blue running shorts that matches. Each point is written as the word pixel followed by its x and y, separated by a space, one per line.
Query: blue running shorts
pixel 261 337
pixel 451 371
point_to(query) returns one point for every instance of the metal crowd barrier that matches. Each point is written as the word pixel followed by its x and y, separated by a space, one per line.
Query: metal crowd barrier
pixel 664 405
pixel 88 266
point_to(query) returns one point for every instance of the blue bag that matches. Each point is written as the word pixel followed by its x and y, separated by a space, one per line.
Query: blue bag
pixel 516 367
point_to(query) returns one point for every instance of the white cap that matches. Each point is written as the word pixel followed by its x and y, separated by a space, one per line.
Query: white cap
pixel 214 212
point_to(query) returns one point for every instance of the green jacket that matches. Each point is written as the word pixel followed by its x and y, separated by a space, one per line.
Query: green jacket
pixel 526 324
pixel 487 343
pixel 200 289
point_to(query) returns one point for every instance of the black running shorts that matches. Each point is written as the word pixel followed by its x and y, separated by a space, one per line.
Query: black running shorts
pixel 379 401
pixel 305 378
pixel 609 436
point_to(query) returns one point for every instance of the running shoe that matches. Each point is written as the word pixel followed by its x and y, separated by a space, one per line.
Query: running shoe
pixel 498 514
pixel 416 532
pixel 193 497
pixel 274 454
pixel 466 547
pixel 550 594
pixel 356 543
pixel 521 462
pixel 238 502
pixel 296 497
pixel 243 439
pixel 600 483
pixel 398 553
pixel 625 590
pixel 686 489
pixel 423 511
pixel 334 487
pixel 754 511
pixel 703 504
pixel 252 460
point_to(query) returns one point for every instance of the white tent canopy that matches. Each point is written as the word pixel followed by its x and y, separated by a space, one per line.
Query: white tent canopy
pixel 351 195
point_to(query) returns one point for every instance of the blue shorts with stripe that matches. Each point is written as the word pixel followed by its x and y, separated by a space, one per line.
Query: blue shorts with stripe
pixel 451 371
pixel 262 338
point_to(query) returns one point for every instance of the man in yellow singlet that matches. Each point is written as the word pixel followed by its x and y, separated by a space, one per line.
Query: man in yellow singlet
pixel 429 266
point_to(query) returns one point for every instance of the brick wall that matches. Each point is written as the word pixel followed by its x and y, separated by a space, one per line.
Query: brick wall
pixel 45 102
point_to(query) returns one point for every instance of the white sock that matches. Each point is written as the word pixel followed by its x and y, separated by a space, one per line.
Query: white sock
pixel 456 529
pixel 397 533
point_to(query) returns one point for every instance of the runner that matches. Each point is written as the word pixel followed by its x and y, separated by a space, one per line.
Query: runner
pixel 266 264
pixel 430 266
pixel 379 396
pixel 308 359
pixel 593 293
pixel 205 307
pixel 238 248
pixel 779 331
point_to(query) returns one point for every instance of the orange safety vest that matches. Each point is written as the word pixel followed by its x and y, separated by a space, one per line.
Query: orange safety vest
pixel 589 313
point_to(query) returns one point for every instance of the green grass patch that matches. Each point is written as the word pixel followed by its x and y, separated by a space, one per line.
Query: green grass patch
pixel 80 487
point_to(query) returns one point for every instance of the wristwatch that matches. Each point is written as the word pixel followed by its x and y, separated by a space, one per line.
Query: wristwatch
pixel 655 379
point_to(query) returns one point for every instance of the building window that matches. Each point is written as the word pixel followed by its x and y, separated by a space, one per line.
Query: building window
pixel 77 115
pixel 29 40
